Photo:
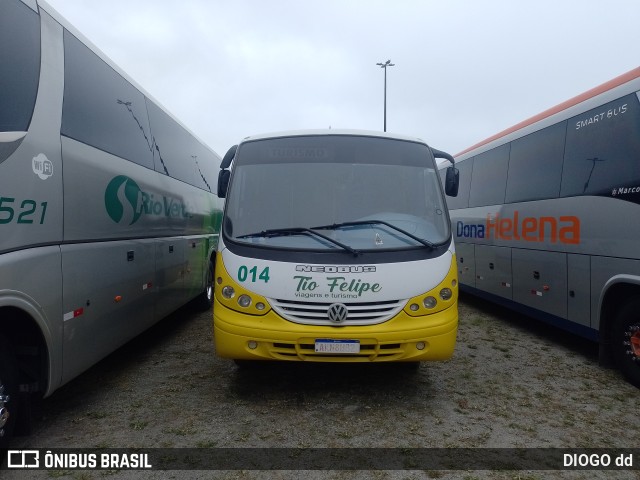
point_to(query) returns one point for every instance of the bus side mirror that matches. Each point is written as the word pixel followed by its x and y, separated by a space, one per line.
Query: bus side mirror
pixel 452 181
pixel 223 183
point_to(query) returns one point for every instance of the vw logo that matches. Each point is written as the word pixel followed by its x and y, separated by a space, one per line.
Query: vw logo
pixel 337 312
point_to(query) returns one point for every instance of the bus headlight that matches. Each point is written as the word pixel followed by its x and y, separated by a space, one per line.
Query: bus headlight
pixel 429 302
pixel 446 293
pixel 439 298
pixel 244 300
pixel 234 296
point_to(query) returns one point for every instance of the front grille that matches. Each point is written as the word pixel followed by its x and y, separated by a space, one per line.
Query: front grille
pixel 315 313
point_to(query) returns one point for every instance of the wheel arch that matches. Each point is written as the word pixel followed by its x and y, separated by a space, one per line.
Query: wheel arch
pixel 25 328
pixel 617 291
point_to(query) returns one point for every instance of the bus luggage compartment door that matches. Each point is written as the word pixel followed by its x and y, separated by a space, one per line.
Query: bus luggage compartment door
pixel 493 270
pixel 465 253
pixel 107 298
pixel 579 289
pixel 540 280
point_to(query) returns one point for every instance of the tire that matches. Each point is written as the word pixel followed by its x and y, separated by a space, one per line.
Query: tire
pixel 625 340
pixel 8 393
pixel 205 301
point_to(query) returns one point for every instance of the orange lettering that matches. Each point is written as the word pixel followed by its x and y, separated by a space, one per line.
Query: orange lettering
pixel 505 226
pixel 529 228
pixel 492 225
pixel 554 229
pixel 532 229
pixel 570 233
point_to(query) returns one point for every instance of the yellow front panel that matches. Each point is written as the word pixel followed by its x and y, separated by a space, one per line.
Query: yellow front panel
pixel 411 335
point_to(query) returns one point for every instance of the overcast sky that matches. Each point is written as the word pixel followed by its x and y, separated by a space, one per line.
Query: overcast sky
pixel 464 70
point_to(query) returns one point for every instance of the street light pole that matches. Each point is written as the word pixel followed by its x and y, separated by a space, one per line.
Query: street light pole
pixel 385 65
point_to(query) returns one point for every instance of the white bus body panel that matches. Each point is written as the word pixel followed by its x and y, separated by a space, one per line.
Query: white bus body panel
pixel 395 281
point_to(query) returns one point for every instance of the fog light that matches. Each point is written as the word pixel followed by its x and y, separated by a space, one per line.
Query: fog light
pixel 429 302
pixel 414 307
pixel 420 345
pixel 228 292
pixel 252 344
pixel 446 293
pixel 244 300
pixel 260 306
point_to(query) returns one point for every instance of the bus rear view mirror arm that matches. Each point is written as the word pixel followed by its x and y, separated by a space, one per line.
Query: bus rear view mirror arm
pixel 228 157
pixel 225 173
pixel 440 154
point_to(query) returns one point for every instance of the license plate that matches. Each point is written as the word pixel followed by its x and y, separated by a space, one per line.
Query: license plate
pixel 337 346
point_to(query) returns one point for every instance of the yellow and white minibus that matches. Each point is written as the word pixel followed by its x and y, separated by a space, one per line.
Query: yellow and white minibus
pixel 335 246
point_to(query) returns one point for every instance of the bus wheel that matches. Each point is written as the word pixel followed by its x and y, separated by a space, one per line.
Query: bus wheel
pixel 8 393
pixel 626 340
pixel 206 298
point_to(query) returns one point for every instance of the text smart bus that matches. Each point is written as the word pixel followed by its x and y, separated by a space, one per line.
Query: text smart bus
pixel 546 220
pixel 335 247
pixel 108 221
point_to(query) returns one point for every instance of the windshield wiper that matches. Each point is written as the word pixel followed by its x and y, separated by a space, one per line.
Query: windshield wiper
pixel 335 226
pixel 278 232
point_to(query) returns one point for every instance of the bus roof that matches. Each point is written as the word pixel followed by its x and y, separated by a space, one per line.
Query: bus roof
pixel 616 82
pixel 330 131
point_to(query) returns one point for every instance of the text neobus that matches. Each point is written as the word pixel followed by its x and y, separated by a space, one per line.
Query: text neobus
pixel 563 229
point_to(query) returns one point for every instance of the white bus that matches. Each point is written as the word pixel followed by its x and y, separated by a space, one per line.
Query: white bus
pixel 546 220
pixel 107 217
pixel 335 247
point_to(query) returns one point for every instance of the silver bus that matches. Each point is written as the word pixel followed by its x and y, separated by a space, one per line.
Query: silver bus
pixel 108 221
pixel 546 219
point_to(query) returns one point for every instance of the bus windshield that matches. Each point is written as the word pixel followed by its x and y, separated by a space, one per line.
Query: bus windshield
pixel 333 192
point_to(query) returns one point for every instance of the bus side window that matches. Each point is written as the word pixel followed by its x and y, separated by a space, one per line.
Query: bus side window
pixel 101 108
pixel 535 165
pixel 602 149
pixel 489 179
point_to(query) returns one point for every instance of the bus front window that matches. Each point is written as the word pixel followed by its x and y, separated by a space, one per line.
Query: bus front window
pixel 364 192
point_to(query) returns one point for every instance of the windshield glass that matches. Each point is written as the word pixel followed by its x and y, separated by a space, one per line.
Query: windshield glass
pixel 389 188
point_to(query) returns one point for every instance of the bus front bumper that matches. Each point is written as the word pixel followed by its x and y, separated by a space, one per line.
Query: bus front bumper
pixel 270 337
